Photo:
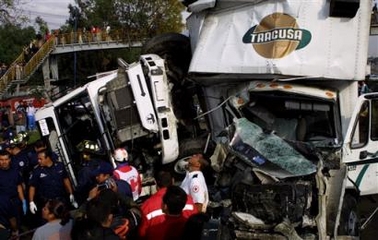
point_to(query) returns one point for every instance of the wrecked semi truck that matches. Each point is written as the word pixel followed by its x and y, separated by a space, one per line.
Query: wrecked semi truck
pixel 276 82
pixel 130 107
pixel 296 146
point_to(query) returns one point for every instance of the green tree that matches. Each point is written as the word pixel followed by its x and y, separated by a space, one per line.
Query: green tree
pixel 13 39
pixel 42 25
pixel 10 13
pixel 138 18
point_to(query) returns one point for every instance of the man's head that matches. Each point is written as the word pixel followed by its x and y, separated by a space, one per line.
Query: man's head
pixel 5 160
pixel 163 179
pixel 85 156
pixel 99 212
pixel 103 172
pixel 39 145
pixel 110 198
pixel 197 162
pixel 174 200
pixel 45 158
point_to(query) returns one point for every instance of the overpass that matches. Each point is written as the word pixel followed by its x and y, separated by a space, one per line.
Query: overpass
pixel 46 56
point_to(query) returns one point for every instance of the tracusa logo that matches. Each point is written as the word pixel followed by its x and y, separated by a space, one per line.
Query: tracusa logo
pixel 276 36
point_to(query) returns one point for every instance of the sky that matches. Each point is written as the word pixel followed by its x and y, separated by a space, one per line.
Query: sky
pixel 54 12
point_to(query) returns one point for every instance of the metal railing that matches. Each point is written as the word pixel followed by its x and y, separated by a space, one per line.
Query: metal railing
pixel 19 72
pixel 87 37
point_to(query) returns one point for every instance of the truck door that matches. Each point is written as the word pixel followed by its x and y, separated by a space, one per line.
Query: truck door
pixel 360 151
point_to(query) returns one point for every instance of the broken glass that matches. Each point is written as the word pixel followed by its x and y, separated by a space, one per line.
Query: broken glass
pixel 268 152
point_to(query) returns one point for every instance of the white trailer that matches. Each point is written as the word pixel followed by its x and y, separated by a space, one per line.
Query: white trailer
pixel 288 69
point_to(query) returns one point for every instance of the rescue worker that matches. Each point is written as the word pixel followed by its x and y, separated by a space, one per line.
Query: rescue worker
pixel 48 181
pixel 104 177
pixel 127 172
pixel 85 178
pixel 38 146
pixel 173 224
pixel 11 194
pixel 194 183
pixel 19 155
pixel 152 212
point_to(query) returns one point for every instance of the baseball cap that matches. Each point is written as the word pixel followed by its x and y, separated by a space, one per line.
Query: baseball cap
pixel 103 168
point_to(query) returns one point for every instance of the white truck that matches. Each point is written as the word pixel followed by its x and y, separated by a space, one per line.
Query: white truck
pixel 277 84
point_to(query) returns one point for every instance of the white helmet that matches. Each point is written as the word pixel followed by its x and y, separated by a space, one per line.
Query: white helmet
pixel 120 155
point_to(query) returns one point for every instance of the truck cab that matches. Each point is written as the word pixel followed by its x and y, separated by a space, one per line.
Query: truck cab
pixel 279 89
pixel 123 108
pixel 276 83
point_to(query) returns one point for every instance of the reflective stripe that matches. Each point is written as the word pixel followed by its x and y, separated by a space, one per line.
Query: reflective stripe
pixel 159 212
pixel 188 207
pixel 154 214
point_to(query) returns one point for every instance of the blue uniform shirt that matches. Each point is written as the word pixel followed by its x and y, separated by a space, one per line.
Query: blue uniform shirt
pixel 33 157
pixel 48 181
pixel 9 201
pixel 9 180
pixel 124 188
pixel 22 162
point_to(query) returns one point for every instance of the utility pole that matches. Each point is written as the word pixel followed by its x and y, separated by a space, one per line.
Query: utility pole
pixel 75 39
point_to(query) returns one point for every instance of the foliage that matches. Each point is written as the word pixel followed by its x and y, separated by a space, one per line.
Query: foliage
pixel 42 25
pixel 138 18
pixel 13 39
pixel 33 137
pixel 10 12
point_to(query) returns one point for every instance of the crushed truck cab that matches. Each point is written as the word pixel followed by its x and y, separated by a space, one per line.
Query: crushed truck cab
pixel 279 88
pixel 268 91
pixel 122 108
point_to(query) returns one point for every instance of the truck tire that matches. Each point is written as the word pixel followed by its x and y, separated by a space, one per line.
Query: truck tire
pixel 175 49
pixel 349 219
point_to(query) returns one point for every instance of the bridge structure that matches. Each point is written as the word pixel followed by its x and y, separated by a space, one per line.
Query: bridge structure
pixel 20 71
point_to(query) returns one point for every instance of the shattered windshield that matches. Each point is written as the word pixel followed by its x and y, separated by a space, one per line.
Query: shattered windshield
pixel 292 118
pixel 268 152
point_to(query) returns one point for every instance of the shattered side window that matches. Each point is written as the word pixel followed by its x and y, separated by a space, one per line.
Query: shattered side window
pixel 361 130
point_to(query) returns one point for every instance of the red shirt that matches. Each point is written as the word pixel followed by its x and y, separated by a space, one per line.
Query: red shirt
pixel 154 220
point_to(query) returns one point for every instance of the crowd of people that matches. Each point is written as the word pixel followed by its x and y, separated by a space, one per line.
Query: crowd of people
pixel 21 119
pixel 37 197
pixel 16 69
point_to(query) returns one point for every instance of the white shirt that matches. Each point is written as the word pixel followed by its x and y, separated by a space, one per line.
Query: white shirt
pixel 194 185
pixel 30 110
